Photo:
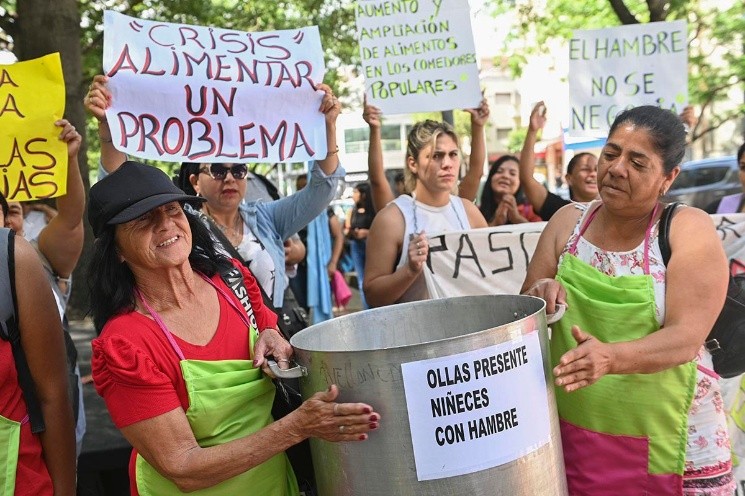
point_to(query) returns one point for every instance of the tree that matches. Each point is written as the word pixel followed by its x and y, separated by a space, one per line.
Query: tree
pixel 32 28
pixel 711 29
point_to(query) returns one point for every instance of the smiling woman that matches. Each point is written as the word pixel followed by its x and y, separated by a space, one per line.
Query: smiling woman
pixel 502 201
pixel 175 339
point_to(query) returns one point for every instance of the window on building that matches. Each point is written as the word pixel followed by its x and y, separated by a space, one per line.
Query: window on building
pixel 358 140
pixel 503 133
pixel 502 98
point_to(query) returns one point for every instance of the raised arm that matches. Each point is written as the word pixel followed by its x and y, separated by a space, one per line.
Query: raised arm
pixel 469 186
pixel 61 240
pixel 97 101
pixel 331 108
pixel 380 189
pixel 41 338
pixel 535 192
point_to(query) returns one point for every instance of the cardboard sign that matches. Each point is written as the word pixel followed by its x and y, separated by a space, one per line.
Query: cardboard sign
pixel 477 410
pixel 418 55
pixel 203 94
pixel 33 160
pixel 617 68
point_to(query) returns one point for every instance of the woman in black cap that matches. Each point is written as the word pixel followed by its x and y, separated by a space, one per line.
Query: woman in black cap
pixel 180 354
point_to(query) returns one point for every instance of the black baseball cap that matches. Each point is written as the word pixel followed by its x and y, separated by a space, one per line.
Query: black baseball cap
pixel 129 192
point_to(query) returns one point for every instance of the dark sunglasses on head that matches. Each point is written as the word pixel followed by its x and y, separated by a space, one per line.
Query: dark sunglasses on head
pixel 219 172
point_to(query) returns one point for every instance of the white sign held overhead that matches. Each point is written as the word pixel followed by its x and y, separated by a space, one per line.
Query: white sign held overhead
pixel 613 69
pixel 200 94
pixel 418 55
pixel 477 410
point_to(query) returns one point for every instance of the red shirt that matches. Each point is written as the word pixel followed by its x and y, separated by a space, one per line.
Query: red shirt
pixel 137 371
pixel 32 477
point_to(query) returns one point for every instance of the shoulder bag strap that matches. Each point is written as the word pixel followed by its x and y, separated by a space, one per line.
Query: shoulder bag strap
pixel 663 237
pixel 25 381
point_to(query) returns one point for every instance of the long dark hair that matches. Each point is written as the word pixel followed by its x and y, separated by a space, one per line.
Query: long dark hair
pixel 365 197
pixel 111 282
pixel 488 202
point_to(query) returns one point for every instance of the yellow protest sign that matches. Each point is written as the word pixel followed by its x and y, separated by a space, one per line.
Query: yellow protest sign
pixel 33 160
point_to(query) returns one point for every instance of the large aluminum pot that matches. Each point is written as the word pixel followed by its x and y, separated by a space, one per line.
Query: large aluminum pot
pixel 402 360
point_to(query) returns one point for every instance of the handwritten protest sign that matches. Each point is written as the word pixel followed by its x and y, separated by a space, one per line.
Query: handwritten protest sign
pixel 621 67
pixel 418 55
pixel 203 94
pixel 478 409
pixel 494 260
pixel 33 160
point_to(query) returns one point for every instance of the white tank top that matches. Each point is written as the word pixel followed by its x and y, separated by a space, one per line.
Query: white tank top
pixel 420 217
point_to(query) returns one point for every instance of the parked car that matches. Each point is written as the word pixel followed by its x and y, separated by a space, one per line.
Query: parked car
pixel 702 182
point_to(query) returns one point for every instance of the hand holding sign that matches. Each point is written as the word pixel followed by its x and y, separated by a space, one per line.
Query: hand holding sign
pixel 371 114
pixel 538 116
pixel 70 136
pixel 418 252
pixel 479 115
pixel 98 99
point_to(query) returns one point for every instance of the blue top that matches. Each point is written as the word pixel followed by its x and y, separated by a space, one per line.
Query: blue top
pixel 273 222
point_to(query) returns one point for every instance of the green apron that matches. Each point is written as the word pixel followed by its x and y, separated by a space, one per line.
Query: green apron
pixel 10 443
pixel 228 399
pixel 625 434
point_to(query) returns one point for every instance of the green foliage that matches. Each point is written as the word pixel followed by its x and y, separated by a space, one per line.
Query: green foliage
pixel 710 77
pixel 516 139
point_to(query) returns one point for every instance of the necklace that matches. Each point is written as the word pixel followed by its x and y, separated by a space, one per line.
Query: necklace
pixel 450 202
pixel 235 233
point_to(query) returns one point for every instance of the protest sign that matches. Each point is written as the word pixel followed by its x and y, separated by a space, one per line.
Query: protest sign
pixel 494 260
pixel 617 68
pixel 478 409
pixel 33 160
pixel 418 55
pixel 203 94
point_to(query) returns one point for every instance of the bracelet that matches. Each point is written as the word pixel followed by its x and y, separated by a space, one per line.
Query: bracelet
pixel 332 153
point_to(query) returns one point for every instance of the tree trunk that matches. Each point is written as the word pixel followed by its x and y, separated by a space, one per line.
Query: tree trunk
pixel 44 27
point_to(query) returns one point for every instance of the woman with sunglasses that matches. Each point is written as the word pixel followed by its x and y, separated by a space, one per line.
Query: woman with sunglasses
pixel 256 230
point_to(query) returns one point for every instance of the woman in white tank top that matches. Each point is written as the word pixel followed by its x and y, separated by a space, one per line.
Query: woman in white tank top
pixel 397 243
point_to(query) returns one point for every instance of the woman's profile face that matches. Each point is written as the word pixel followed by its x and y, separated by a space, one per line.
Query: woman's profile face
pixel 631 175
pixel 159 239
pixel 506 179
pixel 225 194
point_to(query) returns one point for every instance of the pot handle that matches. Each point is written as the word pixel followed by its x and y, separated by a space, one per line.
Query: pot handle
pixel 557 315
pixel 291 373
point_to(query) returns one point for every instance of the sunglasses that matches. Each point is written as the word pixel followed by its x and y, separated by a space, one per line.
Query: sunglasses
pixel 219 172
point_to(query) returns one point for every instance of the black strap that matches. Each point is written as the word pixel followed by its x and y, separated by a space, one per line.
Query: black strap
pixel 228 246
pixel 663 237
pixel 23 371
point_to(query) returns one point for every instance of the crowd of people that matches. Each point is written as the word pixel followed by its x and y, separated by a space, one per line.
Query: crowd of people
pixel 197 281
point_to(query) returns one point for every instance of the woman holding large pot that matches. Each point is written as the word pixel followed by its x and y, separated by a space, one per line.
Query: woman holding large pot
pixel 640 405
pixel 180 356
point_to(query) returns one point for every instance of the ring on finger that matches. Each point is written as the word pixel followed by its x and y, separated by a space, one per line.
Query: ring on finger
pixel 419 252
pixel 336 405
pixel 341 429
